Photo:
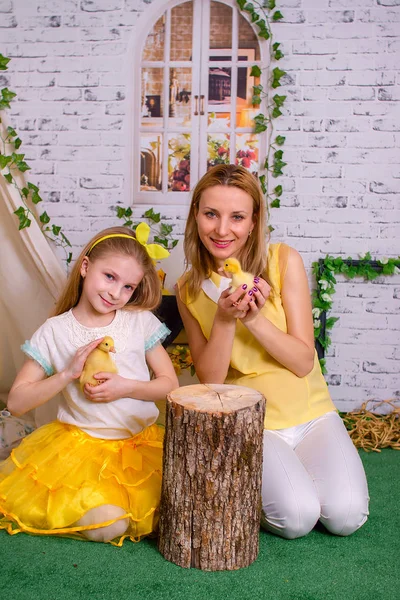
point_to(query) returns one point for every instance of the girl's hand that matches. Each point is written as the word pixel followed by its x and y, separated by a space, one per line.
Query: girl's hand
pixel 113 387
pixel 232 306
pixel 75 367
pixel 257 298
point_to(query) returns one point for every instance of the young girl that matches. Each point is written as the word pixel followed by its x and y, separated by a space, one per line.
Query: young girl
pixel 96 471
pixel 261 336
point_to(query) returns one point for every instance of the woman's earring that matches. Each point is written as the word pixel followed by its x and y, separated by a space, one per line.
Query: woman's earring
pixel 250 232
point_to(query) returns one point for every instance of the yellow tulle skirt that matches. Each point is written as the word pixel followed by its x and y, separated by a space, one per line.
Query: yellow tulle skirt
pixel 58 473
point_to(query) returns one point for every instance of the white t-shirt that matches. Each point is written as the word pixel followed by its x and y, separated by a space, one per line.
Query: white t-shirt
pixel 135 332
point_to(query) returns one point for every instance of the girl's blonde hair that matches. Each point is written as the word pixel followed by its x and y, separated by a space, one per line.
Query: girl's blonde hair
pixel 253 256
pixel 147 295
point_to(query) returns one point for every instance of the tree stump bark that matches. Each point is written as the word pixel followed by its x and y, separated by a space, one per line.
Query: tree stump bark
pixel 212 467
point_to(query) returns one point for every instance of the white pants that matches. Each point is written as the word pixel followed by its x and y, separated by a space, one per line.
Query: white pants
pixel 310 472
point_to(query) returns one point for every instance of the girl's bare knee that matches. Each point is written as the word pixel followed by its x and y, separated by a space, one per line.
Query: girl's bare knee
pixel 101 514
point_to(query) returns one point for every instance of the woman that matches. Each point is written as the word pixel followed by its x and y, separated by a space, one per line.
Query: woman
pixel 263 338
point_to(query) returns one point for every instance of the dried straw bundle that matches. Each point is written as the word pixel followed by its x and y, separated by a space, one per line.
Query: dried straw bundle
pixel 372 431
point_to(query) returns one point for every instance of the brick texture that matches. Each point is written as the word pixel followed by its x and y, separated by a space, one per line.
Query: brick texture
pixel 341 122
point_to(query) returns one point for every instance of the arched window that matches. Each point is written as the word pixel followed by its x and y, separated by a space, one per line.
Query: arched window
pixel 194 102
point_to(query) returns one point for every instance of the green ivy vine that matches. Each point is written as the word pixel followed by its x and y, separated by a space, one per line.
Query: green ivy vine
pixel 11 164
pixel 325 271
pixel 162 233
pixel 261 15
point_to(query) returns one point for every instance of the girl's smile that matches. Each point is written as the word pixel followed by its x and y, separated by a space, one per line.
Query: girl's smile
pixel 224 221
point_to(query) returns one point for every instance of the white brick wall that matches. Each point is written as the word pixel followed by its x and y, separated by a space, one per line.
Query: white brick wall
pixel 342 128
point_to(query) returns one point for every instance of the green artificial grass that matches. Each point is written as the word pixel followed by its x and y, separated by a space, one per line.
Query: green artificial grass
pixel 320 566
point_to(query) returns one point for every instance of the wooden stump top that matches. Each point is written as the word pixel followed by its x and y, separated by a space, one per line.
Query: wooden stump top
pixel 215 398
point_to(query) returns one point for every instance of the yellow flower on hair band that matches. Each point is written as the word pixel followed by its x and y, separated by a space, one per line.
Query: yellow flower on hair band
pixel 155 251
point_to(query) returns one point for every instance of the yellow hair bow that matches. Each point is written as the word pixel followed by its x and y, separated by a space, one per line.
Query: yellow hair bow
pixel 155 251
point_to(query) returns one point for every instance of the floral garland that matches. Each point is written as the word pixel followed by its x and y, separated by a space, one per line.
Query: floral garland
pixel 324 271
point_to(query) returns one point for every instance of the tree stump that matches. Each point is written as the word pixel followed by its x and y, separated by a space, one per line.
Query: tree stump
pixel 212 467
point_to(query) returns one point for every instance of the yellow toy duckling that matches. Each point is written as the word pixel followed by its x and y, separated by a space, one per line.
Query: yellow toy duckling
pixel 99 360
pixel 232 266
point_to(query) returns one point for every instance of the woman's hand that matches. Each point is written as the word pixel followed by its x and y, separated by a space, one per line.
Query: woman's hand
pixel 112 387
pixel 258 296
pixel 235 305
pixel 75 367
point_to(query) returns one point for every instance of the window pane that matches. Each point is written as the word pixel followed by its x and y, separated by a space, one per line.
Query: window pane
pixel 180 99
pixel 219 88
pixel 218 149
pixel 218 121
pixel 247 37
pixel 244 106
pixel 179 162
pixel 150 162
pixel 152 101
pixel 247 151
pixel 154 46
pixel 220 25
pixel 181 31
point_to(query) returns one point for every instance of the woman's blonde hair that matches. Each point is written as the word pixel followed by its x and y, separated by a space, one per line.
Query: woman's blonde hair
pixel 147 295
pixel 253 256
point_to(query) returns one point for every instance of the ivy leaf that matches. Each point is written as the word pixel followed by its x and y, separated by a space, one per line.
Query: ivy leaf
pixel 4 62
pixel 44 218
pixel 4 160
pixel 248 7
pixel 161 241
pixel 7 95
pixel 275 203
pixel 128 212
pixel 32 187
pixel 278 154
pixel 270 4
pixel 278 191
pixel 270 228
pixel 69 258
pixel 276 113
pixel 278 55
pixel 174 243
pixel 56 229
pixel 17 143
pixel 264 34
pixel 120 211
pixel 277 16
pixel 24 221
pixel 259 128
pixel 330 322
pixel 256 100
pixel 11 132
pixel 36 198
pixel 254 16
pixel 8 177
pixel 280 140
pixel 150 214
pixel 65 239
pixel 165 229
pixel 279 100
pixel 25 192
pixel 255 71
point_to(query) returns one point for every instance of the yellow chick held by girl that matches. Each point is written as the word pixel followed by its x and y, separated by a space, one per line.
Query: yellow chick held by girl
pixel 233 268
pixel 99 360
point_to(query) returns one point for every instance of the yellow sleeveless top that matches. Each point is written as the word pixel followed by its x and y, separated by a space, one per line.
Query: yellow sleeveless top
pixel 291 400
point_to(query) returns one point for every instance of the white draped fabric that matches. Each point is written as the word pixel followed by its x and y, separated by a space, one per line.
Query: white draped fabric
pixel 31 278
